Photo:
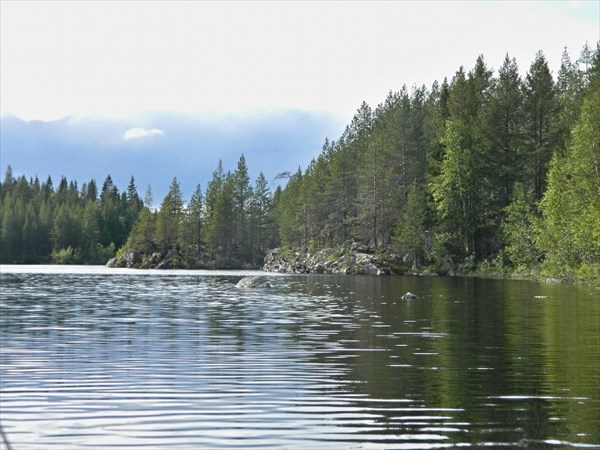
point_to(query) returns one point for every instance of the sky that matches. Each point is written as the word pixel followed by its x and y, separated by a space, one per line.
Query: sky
pixel 118 59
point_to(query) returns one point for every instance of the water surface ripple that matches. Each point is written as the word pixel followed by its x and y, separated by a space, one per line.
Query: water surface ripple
pixel 94 358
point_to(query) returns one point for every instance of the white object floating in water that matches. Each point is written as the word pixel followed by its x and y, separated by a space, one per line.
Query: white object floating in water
pixel 540 296
pixel 409 296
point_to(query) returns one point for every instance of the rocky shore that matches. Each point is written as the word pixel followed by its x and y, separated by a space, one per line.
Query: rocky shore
pixel 352 259
pixel 356 260
pixel 134 259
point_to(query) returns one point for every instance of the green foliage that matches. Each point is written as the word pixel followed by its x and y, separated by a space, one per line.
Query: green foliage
pixel 66 256
pixel 518 230
pixel 570 228
pixel 169 220
pixel 67 225
pixel 541 110
pixel 409 229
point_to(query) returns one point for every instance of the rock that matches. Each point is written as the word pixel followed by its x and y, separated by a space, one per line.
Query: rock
pixel 357 260
pixel 154 259
pixel 166 263
pixel 253 283
pixel 112 262
pixel 129 259
pixel 447 267
pixel 428 242
pixel 11 278
pixel 372 269
pixel 427 273
pixel 409 296
pixel 359 248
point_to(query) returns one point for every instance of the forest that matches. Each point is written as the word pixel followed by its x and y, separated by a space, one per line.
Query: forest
pixel 500 172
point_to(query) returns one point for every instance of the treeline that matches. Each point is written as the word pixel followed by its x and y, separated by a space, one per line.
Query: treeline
pixel 503 171
pixel 66 224
pixel 231 225
pixel 500 172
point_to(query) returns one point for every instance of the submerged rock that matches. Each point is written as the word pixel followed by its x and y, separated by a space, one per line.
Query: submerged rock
pixel 409 296
pixel 253 283
pixel 11 278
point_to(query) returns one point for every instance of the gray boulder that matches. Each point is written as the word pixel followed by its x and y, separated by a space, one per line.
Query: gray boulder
pixel 129 259
pixel 447 267
pixel 253 283
pixel 409 296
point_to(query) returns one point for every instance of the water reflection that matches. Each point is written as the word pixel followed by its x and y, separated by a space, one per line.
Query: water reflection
pixel 189 361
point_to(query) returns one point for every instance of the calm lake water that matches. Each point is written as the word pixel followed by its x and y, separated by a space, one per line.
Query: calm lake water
pixel 114 358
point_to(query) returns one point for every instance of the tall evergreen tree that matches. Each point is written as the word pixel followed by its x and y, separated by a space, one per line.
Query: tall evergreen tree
pixel 194 217
pixel 242 192
pixel 261 218
pixel 540 109
pixel 503 131
pixel 169 219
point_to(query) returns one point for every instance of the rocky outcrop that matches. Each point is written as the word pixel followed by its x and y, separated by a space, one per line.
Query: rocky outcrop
pixel 173 259
pixel 447 267
pixel 129 259
pixel 356 260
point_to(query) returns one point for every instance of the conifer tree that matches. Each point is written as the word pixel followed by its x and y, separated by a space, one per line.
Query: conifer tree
pixel 540 109
pixel 503 132
pixel 261 217
pixel 242 192
pixel 194 220
pixel 169 219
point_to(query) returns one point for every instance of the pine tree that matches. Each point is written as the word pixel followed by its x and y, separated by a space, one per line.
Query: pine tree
pixel 242 192
pixel 30 235
pixel 504 119
pixel 169 219
pixel 194 220
pixel 261 218
pixel 142 235
pixel 213 192
pixel 569 90
pixel 541 109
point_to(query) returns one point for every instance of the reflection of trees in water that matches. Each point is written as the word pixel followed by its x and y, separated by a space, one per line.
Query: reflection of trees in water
pixel 471 360
pixel 465 346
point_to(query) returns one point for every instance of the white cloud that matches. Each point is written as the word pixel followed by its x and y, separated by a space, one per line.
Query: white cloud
pixel 136 133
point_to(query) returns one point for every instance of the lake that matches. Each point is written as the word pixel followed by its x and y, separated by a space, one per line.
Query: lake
pixel 115 358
